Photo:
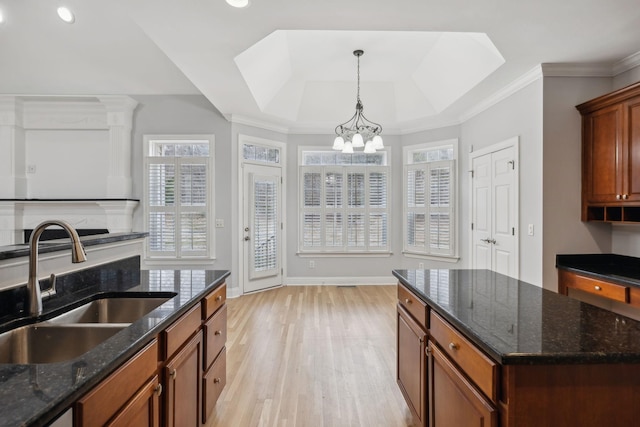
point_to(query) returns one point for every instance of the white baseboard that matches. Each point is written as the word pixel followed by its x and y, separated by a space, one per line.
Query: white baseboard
pixel 317 281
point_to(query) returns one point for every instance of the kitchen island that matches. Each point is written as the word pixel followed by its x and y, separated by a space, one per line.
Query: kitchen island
pixel 36 394
pixel 507 353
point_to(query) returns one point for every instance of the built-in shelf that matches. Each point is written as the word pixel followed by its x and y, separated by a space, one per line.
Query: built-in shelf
pixel 614 214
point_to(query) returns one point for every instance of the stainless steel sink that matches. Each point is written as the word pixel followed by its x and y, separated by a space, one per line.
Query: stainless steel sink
pixel 46 343
pixel 110 310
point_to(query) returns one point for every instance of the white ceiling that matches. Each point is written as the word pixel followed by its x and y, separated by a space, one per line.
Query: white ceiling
pixel 289 63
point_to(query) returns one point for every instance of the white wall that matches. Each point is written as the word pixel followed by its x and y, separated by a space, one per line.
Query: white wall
pixel 518 115
pixel 67 164
pixel 564 232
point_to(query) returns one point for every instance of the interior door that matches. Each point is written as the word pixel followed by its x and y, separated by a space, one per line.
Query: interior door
pixel 494 204
pixel 481 212
pixel 262 221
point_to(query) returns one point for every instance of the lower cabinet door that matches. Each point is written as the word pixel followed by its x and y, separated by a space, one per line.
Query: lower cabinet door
pixel 411 366
pixel 453 400
pixel 182 376
pixel 143 410
pixel 212 384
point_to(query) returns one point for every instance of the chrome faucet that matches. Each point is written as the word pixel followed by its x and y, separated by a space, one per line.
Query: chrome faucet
pixel 33 286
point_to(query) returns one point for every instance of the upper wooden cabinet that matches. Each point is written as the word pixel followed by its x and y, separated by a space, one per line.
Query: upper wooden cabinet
pixel 611 156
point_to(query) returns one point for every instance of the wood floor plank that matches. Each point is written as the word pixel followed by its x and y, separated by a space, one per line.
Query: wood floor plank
pixel 322 356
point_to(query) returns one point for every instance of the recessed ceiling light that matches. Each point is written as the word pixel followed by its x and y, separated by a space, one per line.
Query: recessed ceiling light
pixel 238 3
pixel 1 18
pixel 66 15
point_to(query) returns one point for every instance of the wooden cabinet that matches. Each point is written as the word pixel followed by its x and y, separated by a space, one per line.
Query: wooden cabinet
pixel 136 401
pixel 214 311
pixel 454 401
pixel 611 156
pixel 182 376
pixel 143 409
pixel 475 364
pixel 411 365
pixel 613 291
pixel 174 381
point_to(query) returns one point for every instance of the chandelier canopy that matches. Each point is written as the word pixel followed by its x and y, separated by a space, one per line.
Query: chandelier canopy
pixel 354 132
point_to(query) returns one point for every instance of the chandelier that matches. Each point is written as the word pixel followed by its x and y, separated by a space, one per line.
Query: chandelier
pixel 354 132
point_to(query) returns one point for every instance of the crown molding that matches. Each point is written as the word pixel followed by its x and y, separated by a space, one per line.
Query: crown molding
pixel 248 121
pixel 576 70
pixel 523 81
pixel 625 64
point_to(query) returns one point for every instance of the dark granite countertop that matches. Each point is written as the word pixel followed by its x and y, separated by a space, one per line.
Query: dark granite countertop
pixel 22 249
pixel 610 267
pixel 518 323
pixel 33 395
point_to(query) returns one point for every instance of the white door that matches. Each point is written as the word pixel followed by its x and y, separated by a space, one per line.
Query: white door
pixel 262 225
pixel 494 237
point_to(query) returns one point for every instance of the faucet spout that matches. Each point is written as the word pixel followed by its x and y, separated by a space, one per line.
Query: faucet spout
pixel 33 286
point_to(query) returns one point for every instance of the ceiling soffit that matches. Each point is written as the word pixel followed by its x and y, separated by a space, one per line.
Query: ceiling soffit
pixel 310 75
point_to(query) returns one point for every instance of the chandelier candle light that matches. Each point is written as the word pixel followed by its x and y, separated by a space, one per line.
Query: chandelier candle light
pixel 354 132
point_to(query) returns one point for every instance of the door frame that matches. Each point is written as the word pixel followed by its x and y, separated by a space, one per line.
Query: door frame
pixel 513 142
pixel 248 139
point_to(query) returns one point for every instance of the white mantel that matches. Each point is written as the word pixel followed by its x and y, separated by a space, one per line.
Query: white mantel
pixel 58 149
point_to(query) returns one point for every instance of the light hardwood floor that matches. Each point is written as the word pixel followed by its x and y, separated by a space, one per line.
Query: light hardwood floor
pixel 307 356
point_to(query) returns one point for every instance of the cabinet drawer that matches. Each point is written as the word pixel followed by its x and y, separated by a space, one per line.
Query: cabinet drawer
pixel 215 336
pixel 597 287
pixel 99 405
pixel 212 384
pixel 478 367
pixel 413 305
pixel 214 301
pixel 180 331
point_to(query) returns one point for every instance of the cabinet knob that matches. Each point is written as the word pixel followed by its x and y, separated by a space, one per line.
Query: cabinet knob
pixel 407 301
pixel 598 288
pixel 216 380
pixel 219 298
pixel 453 346
pixel 218 333
pixel 173 374
pixel 158 390
pixel 625 196
pixel 618 197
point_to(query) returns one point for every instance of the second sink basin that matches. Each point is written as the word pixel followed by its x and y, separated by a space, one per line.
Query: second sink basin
pixel 52 343
pixel 111 310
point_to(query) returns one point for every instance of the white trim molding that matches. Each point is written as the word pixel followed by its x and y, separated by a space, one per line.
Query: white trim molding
pixel 341 281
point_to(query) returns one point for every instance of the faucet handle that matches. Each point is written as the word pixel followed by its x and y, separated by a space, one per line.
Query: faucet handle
pixel 52 288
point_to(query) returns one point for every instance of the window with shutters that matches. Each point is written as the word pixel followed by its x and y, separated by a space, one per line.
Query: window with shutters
pixel 429 199
pixel 344 202
pixel 178 183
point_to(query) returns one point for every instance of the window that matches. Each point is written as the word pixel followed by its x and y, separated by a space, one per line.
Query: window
pixel 429 199
pixel 178 185
pixel 343 202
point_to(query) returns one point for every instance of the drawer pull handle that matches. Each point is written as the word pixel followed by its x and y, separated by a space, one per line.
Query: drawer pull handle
pixel 158 390
pixel 173 374
pixel 598 288
pixel 219 298
pixel 218 332
pixel 618 196
pixel 407 301
pixel 453 346
pixel 216 380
